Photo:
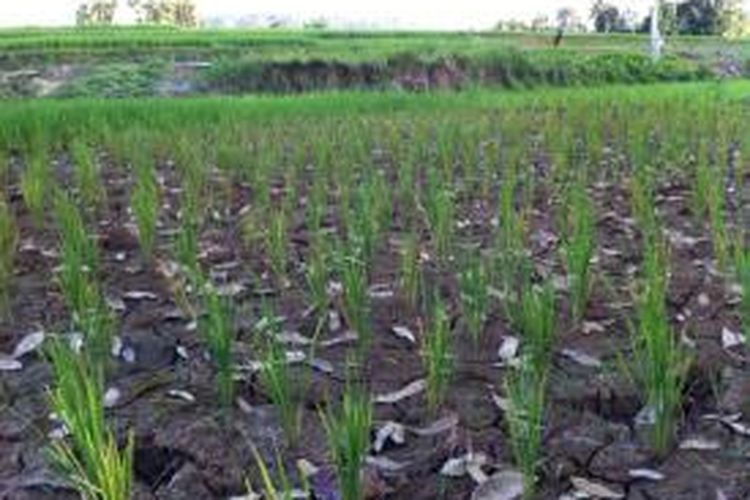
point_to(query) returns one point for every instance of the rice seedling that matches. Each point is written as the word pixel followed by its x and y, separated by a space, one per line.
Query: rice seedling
pixel 525 388
pixel 87 176
pixel 475 299
pixel 579 249
pixel 442 220
pixel 35 186
pixel 411 271
pixel 78 280
pixel 277 244
pixel 355 299
pixel 348 431
pixel 90 459
pixel 145 206
pixel 277 379
pixel 437 355
pixel 8 244
pixel 317 273
pixel 285 490
pixel 537 323
pixel 661 363
pixel 218 331
pixel 188 238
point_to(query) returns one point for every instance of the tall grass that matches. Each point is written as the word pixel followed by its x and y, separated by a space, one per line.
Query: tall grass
pixel 86 173
pixel 218 331
pixel 8 243
pixel 579 248
pixel 277 378
pixel 145 204
pixel 90 459
pixel 437 353
pixel 36 185
pixel 79 279
pixel 348 431
pixel 475 299
pixel 356 303
pixel 661 362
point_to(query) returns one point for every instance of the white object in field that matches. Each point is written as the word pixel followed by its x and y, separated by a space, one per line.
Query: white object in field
pixel 657 42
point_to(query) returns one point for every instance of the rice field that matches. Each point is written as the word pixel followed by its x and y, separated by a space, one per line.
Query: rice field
pixel 377 295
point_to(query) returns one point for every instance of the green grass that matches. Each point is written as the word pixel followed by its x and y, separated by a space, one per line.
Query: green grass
pixel 217 328
pixel 348 431
pixel 8 244
pixel 438 356
pixel 661 362
pixel 90 459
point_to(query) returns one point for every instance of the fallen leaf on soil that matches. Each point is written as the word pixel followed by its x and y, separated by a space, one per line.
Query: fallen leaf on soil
pixel 731 339
pixel 391 431
pixel 504 485
pixel 501 402
pixel 322 365
pixel 349 336
pixel 700 444
pixel 9 364
pixel 593 489
pixel 386 464
pixel 581 358
pixel 293 338
pixel 590 327
pixel 508 349
pixel 116 304
pixel 307 468
pixel 111 397
pixel 470 463
pixel 438 427
pixel 380 291
pixel 334 321
pixel 409 390
pixel 28 344
pixel 403 332
pixel 648 474
pixel 139 295
pixel 180 394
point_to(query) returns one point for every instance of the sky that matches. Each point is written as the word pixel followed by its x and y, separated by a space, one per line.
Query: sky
pixel 425 14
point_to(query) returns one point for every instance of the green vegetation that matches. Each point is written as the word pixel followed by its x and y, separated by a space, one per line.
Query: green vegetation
pixel 90 458
pixel 348 431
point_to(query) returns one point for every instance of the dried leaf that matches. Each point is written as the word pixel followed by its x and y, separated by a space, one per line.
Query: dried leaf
pixel 731 339
pixel 648 474
pixel 438 427
pixel 404 333
pixel 9 364
pixel 508 348
pixel 582 358
pixel 700 444
pixel 386 464
pixel 504 485
pixel 409 390
pixel 392 431
pixel 28 344
pixel 181 394
pixel 139 295
pixel 459 466
pixel 593 489
pixel 111 397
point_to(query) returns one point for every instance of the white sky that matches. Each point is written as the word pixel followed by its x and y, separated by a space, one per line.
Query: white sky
pixel 428 14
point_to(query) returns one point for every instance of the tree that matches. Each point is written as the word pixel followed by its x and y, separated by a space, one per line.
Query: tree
pixel 181 13
pixel 96 13
pixel 607 17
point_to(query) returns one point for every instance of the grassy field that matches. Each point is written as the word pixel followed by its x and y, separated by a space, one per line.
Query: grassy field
pixel 345 46
pixel 377 294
